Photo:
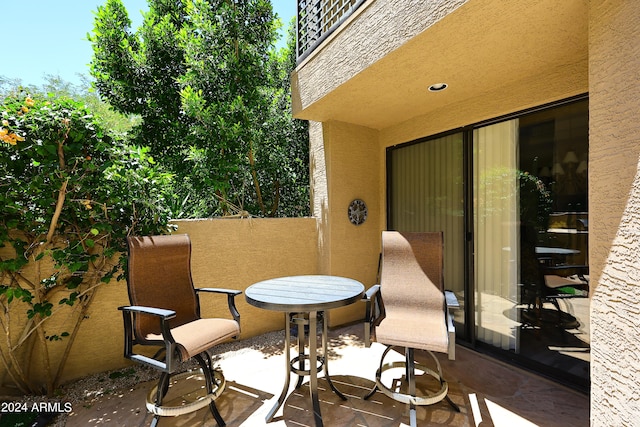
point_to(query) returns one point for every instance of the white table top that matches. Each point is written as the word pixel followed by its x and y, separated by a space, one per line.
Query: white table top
pixel 304 293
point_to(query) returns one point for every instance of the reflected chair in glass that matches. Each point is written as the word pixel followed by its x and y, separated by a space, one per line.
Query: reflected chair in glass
pixel 562 282
pixel 408 309
pixel 164 316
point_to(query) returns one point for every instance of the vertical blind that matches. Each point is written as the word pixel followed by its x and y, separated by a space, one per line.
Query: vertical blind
pixel 496 247
pixel 426 194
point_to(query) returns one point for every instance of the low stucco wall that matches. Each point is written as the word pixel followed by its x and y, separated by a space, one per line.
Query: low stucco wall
pixel 229 253
pixel 235 253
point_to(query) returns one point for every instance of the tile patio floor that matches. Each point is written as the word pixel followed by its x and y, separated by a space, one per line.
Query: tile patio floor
pixel 488 392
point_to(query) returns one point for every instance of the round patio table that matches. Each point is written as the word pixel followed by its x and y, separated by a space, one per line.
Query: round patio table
pixel 302 298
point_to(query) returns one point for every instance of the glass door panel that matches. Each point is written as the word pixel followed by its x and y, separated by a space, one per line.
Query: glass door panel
pixel 496 243
pixel 525 243
pixel 530 240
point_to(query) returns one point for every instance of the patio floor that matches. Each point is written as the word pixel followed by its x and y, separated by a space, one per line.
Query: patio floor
pixel 487 391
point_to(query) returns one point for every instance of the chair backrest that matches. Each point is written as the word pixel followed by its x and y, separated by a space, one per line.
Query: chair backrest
pixel 412 271
pixel 159 276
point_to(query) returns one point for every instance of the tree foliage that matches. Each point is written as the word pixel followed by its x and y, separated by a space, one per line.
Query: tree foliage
pixel 82 92
pixel 215 109
pixel 70 193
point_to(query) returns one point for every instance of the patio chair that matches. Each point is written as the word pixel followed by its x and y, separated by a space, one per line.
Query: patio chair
pixel 164 316
pixel 409 309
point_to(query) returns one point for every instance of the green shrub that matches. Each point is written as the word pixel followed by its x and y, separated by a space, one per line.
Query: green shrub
pixel 69 195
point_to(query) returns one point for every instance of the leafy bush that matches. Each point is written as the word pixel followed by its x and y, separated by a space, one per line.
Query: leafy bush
pixel 214 101
pixel 69 195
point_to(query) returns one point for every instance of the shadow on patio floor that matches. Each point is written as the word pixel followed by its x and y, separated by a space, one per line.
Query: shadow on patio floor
pixel 487 391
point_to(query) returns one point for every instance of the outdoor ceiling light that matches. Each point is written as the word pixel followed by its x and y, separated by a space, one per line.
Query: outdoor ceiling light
pixel 438 87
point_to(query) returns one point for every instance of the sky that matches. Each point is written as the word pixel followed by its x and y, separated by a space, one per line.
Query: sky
pixel 41 37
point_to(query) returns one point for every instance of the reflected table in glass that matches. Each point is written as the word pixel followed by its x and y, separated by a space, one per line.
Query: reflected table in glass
pixel 304 300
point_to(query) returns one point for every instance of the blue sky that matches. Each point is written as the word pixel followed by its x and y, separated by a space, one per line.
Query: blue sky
pixel 50 36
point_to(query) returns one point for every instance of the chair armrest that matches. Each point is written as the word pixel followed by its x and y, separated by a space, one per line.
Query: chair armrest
pixel 160 312
pixel 374 313
pixel 220 291
pixel 231 301
pixel 371 292
pixel 451 302
pixel 129 340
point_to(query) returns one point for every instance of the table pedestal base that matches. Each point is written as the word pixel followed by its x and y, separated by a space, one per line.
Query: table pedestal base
pixel 316 363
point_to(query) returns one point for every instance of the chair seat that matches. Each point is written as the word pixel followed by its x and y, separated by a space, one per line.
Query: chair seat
pixel 200 335
pixel 555 281
pixel 414 329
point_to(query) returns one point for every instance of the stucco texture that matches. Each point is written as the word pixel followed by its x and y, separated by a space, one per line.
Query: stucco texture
pixel 614 198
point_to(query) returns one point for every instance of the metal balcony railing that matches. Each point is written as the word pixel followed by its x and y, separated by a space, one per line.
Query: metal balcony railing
pixel 317 19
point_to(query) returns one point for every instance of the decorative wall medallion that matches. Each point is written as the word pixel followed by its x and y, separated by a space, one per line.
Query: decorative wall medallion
pixel 357 212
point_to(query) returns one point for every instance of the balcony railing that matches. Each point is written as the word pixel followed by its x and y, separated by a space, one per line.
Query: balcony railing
pixel 317 19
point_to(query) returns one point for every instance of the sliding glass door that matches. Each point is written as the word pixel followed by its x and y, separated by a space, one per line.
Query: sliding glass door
pixel 511 199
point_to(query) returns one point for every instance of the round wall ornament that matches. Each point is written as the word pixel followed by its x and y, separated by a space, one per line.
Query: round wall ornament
pixel 357 212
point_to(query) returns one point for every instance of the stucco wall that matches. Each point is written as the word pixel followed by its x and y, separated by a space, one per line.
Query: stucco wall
pixel 229 253
pixel 234 254
pixel 369 39
pixel 345 166
pixel 614 200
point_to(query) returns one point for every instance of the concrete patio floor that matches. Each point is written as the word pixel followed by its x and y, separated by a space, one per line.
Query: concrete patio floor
pixel 487 391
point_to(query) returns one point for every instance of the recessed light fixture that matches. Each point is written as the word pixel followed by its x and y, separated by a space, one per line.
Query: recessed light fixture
pixel 438 87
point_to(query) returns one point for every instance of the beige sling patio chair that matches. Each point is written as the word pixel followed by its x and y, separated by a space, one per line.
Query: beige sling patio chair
pixel 165 315
pixel 409 309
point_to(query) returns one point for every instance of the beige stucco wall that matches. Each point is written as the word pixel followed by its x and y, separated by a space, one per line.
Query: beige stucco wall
pixel 375 70
pixel 229 253
pixel 344 167
pixel 614 200
pixel 235 253
pixel 368 35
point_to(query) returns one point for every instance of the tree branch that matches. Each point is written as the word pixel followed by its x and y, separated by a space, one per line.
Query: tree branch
pixel 56 215
pixel 256 184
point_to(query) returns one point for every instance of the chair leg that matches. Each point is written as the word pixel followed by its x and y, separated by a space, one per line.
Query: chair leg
pixel 371 392
pixel 452 404
pixel 207 369
pixel 411 398
pixel 442 381
pixel 214 410
pixel 411 380
pixel 163 387
pixel 375 387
